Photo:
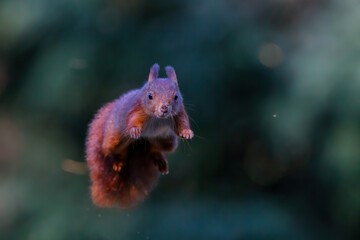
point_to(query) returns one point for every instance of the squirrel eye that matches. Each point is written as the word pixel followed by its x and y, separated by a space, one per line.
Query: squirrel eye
pixel 150 96
pixel 176 97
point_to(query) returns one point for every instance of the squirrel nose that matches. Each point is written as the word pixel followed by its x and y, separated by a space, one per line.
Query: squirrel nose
pixel 164 109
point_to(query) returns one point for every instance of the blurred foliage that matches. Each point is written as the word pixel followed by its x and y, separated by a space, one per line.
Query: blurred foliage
pixel 271 87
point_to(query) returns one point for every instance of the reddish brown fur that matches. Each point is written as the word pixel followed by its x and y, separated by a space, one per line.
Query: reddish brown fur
pixel 136 117
pixel 181 121
pixel 136 178
pixel 122 169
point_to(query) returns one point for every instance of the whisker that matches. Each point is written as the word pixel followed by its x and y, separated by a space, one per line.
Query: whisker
pixel 193 120
pixel 188 144
pixel 198 136
pixel 184 149
pixel 189 104
pixel 190 107
pixel 172 122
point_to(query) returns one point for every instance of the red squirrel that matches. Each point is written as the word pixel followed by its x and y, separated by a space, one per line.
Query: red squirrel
pixel 128 137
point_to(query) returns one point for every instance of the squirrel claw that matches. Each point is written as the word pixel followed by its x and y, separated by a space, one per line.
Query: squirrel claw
pixel 187 134
pixel 118 166
pixel 135 132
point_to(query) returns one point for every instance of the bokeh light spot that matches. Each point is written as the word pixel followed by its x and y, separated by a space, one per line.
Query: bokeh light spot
pixel 77 63
pixel 270 55
pixel 71 166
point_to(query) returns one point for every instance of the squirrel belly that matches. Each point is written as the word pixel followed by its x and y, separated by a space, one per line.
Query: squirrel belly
pixel 128 137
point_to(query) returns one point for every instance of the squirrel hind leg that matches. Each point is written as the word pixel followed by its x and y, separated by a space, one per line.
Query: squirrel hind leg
pixel 118 162
pixel 137 176
pixel 118 157
pixel 114 162
pixel 160 162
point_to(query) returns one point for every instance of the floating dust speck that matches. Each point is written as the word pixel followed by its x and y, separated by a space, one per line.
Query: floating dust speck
pixel 275 115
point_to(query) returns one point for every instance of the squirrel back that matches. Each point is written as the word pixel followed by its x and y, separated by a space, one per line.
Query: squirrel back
pixel 128 137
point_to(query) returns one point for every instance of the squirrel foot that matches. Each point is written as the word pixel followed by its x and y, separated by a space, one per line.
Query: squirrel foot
pixel 161 163
pixel 117 166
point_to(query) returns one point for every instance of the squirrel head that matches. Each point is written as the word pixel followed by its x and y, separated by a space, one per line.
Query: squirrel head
pixel 162 97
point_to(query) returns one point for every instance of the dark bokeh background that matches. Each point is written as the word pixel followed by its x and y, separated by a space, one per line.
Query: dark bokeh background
pixel 272 89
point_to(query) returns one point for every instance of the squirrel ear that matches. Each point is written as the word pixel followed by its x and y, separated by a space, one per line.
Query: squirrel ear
pixel 154 72
pixel 170 72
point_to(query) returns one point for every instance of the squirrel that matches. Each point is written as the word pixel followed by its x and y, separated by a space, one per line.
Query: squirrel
pixel 128 137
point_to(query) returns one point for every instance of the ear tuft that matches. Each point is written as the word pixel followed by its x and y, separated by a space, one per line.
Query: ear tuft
pixel 170 72
pixel 154 72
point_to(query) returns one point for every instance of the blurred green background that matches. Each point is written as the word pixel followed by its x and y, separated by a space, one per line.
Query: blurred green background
pixel 272 88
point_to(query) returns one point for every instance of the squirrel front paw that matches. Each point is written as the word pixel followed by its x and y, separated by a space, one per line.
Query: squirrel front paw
pixel 135 132
pixel 187 134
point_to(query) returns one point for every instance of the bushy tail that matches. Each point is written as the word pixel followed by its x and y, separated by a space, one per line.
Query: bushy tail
pixel 136 178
